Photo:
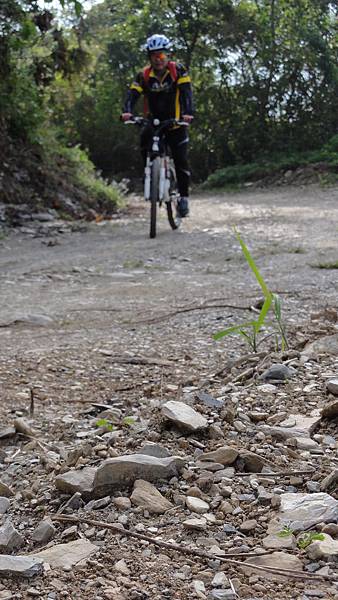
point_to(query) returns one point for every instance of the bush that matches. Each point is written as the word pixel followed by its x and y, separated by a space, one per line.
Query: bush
pixel 83 174
pixel 240 173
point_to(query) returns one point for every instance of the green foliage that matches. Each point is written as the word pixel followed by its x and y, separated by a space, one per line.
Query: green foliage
pixel 249 330
pixel 264 72
pixel 303 540
pixel 307 538
pixel 128 421
pixel 285 532
pixel 105 423
pixel 254 171
pixel 327 265
pixel 84 175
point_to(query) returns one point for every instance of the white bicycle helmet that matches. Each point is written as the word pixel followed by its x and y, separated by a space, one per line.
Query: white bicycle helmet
pixel 158 42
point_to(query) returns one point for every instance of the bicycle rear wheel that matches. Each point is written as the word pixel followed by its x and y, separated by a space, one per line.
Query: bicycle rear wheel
pixel 154 194
pixel 173 219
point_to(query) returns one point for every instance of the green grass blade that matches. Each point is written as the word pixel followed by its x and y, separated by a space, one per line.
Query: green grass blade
pixel 233 329
pixel 253 265
pixel 264 311
pixel 277 305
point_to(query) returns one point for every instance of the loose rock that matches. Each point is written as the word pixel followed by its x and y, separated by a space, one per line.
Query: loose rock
pixel 278 372
pixel 81 481
pixel 44 532
pixel 184 416
pixel 10 538
pixel 326 549
pixel 148 497
pixel 20 566
pixel 225 455
pixel 116 473
pixel 279 560
pixel 303 511
pixel 67 555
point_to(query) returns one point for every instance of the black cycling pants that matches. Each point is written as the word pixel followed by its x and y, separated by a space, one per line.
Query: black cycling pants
pixel 177 140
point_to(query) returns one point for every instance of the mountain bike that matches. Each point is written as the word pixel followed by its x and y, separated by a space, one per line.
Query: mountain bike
pixel 160 184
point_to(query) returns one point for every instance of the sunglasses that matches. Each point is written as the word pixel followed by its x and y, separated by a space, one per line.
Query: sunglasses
pixel 160 55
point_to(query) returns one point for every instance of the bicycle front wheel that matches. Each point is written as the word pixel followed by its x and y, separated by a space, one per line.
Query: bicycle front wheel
pixel 154 194
pixel 174 220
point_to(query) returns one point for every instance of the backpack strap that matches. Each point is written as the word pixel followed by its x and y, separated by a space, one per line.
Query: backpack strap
pixel 146 74
pixel 171 67
pixel 172 70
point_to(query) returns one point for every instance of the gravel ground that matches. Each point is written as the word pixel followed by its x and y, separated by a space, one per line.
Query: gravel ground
pixel 98 315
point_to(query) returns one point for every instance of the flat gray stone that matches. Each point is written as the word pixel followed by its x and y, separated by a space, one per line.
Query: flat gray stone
pixel 4 505
pixel 279 560
pixel 209 400
pixel 81 481
pixel 195 524
pixel 279 372
pixel 251 462
pixel 294 426
pixel 123 471
pixel 330 481
pixel 304 443
pixel 44 532
pixel 184 416
pixel 5 490
pixel 10 538
pixel 332 386
pixel 276 542
pixel 148 497
pixel 152 449
pixel 303 511
pixel 326 549
pixel 324 345
pixel 7 432
pixel 36 320
pixel 330 410
pixel 67 555
pixel 225 455
pixel 196 505
pixel 20 566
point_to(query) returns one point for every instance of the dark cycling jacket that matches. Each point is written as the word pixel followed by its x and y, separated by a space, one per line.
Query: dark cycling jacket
pixel 166 98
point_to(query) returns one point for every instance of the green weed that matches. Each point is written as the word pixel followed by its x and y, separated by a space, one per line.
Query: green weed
pixel 129 421
pixel 304 540
pixel 133 264
pixel 307 538
pixel 105 423
pixel 285 532
pixel 249 330
pixel 328 265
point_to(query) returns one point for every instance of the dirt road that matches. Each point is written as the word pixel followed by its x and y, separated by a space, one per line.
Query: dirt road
pixel 78 307
pixel 94 284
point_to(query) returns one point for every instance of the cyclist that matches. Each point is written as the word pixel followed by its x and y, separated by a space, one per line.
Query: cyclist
pixel 166 87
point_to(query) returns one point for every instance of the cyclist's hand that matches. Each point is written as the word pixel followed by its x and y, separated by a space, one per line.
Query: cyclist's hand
pixel 126 116
pixel 187 118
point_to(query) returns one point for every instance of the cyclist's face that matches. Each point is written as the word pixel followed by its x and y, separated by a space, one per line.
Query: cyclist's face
pixel 159 60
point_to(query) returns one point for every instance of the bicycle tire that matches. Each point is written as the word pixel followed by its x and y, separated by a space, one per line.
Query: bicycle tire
pixel 174 220
pixel 154 194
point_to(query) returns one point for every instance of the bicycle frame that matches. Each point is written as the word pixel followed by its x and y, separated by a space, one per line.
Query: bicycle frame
pixel 157 148
pixel 159 173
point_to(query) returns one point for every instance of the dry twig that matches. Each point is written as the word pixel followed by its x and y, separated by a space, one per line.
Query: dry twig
pixel 186 550
pixel 277 474
pixel 185 309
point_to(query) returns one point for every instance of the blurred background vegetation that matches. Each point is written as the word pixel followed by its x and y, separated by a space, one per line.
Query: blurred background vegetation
pixel 264 72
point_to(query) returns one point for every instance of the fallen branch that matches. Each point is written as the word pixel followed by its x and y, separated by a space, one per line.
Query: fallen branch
pixel 137 360
pixel 185 550
pixel 185 309
pixel 231 364
pixel 277 474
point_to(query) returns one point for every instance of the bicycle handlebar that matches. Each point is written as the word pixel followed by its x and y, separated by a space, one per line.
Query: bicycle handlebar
pixel 155 122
